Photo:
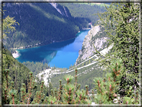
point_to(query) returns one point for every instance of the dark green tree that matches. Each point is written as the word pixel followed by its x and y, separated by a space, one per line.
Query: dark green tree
pixel 8 25
pixel 121 24
pixel 107 87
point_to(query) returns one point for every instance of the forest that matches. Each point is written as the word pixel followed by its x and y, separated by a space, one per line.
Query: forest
pixel 120 84
pixel 41 24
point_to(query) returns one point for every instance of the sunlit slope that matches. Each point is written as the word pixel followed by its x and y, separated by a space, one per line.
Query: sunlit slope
pixel 85 76
pixel 85 10
pixel 89 68
pixel 87 71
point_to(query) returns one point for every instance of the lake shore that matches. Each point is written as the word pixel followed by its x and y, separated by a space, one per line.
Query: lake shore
pixel 41 44
pixel 16 54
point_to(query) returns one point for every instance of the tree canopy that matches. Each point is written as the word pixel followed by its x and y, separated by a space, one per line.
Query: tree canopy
pixel 8 25
pixel 121 23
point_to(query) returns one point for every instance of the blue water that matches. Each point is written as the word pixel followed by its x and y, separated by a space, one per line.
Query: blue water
pixel 61 54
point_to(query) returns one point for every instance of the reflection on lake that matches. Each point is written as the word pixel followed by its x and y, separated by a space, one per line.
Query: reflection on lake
pixel 61 54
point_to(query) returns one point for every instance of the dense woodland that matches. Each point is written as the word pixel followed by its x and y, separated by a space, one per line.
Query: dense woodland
pixel 85 11
pixel 18 73
pixel 40 23
pixel 119 85
pixel 36 67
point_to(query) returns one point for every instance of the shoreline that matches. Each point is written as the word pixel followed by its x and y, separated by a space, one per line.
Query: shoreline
pixel 40 44
pixel 16 54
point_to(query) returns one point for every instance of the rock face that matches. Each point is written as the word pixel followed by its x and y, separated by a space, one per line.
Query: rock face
pixel 91 41
pixel 61 9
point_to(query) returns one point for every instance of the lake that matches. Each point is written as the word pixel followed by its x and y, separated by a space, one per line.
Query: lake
pixel 61 54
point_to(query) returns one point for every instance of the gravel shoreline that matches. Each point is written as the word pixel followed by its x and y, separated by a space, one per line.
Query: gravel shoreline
pixel 16 54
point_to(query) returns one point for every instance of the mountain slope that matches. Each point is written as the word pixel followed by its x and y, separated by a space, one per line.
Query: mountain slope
pixel 40 23
pixel 18 72
pixel 95 38
pixel 61 9
pixel 81 10
pixel 87 67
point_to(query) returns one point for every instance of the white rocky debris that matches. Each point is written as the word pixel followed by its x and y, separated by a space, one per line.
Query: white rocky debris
pixel 55 6
pixel 93 103
pixel 16 54
pixel 94 31
pixel 65 12
pixel 88 45
pixel 104 51
pixel 61 12
pixel 46 75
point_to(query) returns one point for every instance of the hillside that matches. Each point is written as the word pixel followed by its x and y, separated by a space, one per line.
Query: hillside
pixel 96 38
pixel 86 62
pixel 84 10
pixel 18 73
pixel 116 80
pixel 40 24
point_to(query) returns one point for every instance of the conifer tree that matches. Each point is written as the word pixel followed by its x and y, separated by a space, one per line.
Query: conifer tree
pixel 121 24
pixel 108 88
pixel 66 94
pixel 8 25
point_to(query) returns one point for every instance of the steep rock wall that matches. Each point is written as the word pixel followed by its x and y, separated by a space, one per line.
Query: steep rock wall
pixel 91 41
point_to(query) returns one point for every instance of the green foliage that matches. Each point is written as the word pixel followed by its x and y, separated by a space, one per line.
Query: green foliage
pixel 81 10
pixel 108 88
pixel 16 71
pixel 40 23
pixel 13 94
pixel 85 76
pixel 25 98
pixel 72 94
pixel 121 24
pixel 122 67
pixel 52 100
pixel 8 25
pixel 67 94
pixel 39 97
pixel 68 78
pixel 36 67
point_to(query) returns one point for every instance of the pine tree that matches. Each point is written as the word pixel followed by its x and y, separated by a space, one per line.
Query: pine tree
pixel 108 87
pixel 66 94
pixel 8 25
pixel 121 24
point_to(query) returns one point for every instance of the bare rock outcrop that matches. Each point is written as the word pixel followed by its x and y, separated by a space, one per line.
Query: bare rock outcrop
pixel 90 42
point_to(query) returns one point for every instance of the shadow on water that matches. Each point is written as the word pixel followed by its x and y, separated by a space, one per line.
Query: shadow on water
pixel 42 53
pixel 59 45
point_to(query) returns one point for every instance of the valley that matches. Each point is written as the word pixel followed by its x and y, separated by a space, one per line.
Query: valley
pixel 67 53
pixel 61 54
pixel 87 67
pixel 19 45
pixel 39 26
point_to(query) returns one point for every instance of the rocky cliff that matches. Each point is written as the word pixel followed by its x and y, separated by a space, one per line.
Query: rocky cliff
pixel 94 38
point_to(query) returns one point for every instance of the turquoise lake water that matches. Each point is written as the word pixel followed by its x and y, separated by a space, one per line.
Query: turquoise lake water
pixel 61 54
